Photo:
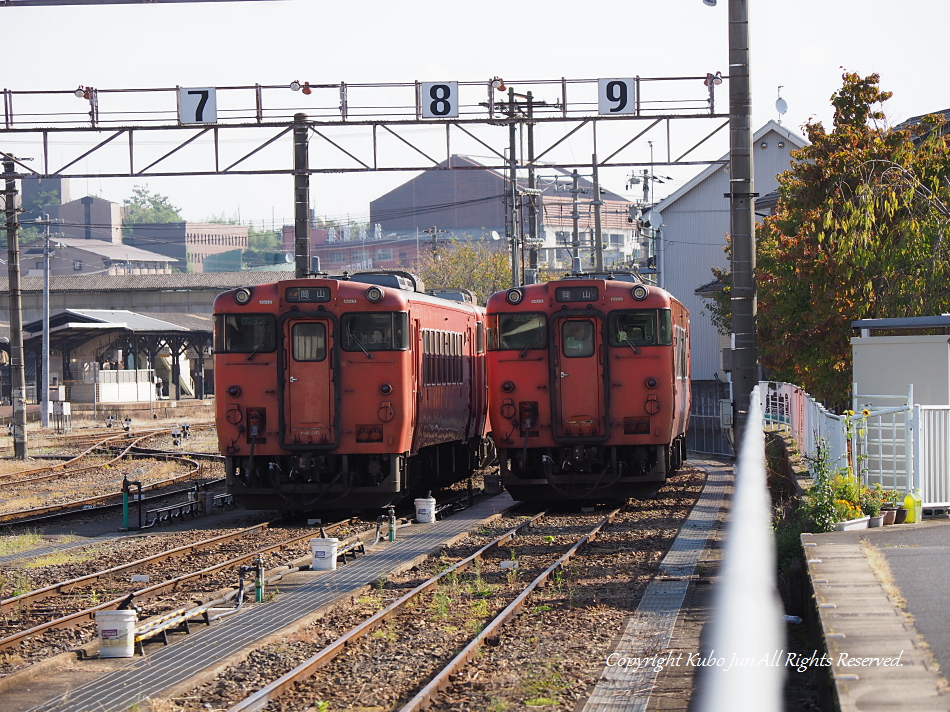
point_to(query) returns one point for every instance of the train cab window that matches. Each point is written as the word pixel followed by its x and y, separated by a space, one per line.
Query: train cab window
pixel 577 339
pixel 521 332
pixel 309 341
pixel 375 331
pixel 640 327
pixel 245 333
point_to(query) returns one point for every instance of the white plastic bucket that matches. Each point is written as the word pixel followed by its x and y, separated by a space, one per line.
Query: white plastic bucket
pixel 425 510
pixel 324 554
pixel 116 633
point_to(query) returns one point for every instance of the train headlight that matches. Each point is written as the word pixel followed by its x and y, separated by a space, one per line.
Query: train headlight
pixel 640 292
pixel 242 296
pixel 507 386
pixel 385 389
pixel 374 294
pixel 651 382
pixel 514 296
pixel 234 391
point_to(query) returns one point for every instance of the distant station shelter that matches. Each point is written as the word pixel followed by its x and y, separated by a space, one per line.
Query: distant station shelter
pixel 118 356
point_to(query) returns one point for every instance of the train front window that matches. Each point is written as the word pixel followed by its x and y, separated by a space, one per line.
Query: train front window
pixel 309 341
pixel 375 331
pixel 245 333
pixel 517 332
pixel 633 328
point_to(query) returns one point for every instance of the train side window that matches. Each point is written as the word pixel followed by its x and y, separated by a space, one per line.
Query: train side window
pixel 520 332
pixel 666 327
pixel 245 333
pixel 309 341
pixel 480 338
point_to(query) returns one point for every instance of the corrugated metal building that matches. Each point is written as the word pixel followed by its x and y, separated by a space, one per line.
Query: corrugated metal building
pixel 693 236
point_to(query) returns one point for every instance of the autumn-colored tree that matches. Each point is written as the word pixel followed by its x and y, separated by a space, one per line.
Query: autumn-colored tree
pixel 464 264
pixel 861 231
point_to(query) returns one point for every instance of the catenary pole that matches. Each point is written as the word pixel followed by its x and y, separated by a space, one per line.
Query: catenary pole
pixel 742 211
pixel 513 191
pixel 17 365
pixel 44 387
pixel 301 197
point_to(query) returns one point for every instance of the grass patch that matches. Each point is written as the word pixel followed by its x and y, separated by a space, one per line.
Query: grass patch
pixel 15 543
pixel 60 558
pixel 543 685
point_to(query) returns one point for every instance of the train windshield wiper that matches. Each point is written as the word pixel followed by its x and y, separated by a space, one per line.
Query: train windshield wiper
pixel 254 352
pixel 630 343
pixel 532 344
pixel 362 348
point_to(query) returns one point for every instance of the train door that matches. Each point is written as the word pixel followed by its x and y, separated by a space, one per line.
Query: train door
pixel 579 384
pixel 309 397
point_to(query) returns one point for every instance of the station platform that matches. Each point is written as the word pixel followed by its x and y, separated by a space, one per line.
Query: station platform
pixel 880 600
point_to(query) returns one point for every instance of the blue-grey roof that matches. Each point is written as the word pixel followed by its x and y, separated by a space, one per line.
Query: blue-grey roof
pixel 909 322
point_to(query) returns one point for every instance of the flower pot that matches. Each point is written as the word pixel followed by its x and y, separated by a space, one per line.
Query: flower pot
pixel 900 516
pixel 851 524
pixel 889 515
pixel 876 521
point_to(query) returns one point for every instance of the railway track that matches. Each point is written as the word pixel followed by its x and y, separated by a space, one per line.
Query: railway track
pixel 188 575
pixel 292 688
pixel 549 654
pixel 103 475
pixel 412 639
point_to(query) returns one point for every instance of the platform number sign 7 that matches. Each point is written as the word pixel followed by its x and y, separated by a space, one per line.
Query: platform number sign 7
pixel 616 96
pixel 438 100
pixel 197 105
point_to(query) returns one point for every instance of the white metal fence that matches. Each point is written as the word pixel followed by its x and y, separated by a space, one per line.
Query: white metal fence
pixel 903 448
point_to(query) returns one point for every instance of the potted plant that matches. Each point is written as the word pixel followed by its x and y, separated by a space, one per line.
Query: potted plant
pixel 890 506
pixel 872 499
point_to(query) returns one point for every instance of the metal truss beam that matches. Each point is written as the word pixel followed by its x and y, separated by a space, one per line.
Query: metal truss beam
pixel 132 133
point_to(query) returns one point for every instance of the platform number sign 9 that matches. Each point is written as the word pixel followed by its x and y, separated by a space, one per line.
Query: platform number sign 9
pixel 438 100
pixel 197 105
pixel 616 96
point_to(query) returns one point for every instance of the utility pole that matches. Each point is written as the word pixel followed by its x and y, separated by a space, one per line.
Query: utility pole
pixel 301 197
pixel 742 211
pixel 534 222
pixel 513 192
pixel 575 217
pixel 598 230
pixel 44 386
pixel 17 365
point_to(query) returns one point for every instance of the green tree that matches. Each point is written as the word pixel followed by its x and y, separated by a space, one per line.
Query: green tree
pixel 261 246
pixel 464 264
pixel 859 232
pixel 147 207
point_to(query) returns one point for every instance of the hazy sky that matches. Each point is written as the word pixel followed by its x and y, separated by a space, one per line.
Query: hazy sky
pixel 801 46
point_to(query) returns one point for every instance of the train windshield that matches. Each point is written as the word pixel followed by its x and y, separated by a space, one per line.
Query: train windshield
pixel 245 333
pixel 521 332
pixel 375 331
pixel 641 327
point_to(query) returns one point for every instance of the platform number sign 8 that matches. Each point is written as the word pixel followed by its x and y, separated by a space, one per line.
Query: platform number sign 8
pixel 616 96
pixel 197 105
pixel 438 100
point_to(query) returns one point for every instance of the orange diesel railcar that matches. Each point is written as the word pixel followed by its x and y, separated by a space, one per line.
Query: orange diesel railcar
pixel 347 393
pixel 589 390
